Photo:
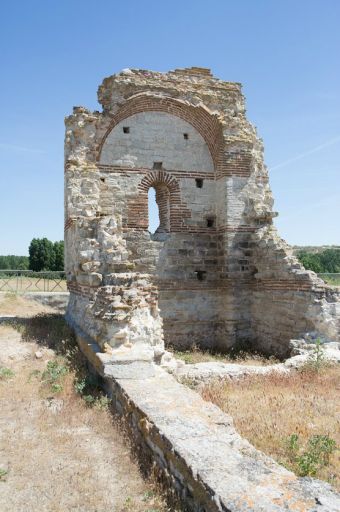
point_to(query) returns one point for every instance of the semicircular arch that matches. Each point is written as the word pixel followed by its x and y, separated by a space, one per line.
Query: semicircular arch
pixel 206 123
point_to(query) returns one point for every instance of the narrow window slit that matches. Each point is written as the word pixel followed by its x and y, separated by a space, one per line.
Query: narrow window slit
pixel 159 209
pixel 199 182
pixel 186 136
pixel 210 222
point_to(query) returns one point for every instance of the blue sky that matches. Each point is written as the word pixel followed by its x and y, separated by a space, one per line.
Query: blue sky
pixel 54 54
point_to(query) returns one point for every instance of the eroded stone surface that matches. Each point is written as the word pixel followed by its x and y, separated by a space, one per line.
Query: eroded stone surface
pixel 216 273
pixel 198 450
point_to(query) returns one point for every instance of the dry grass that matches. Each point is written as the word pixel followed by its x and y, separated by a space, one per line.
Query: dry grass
pixel 333 280
pixel 197 355
pixel 268 409
pixel 56 452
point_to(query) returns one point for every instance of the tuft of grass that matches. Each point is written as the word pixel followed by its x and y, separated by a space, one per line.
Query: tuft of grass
pixel 3 474
pixel 302 407
pixel 6 373
pixel 196 355
pixel 316 361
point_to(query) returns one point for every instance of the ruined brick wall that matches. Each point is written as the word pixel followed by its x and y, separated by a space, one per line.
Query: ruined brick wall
pixel 215 273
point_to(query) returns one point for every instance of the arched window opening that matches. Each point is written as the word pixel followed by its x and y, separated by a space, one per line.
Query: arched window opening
pixel 159 209
pixel 153 211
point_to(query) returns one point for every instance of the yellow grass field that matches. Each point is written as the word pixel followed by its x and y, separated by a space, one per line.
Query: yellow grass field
pixel 267 410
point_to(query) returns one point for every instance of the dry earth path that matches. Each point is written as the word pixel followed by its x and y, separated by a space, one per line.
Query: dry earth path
pixel 56 453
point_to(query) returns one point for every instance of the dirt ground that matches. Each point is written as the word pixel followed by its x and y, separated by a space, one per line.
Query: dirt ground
pixel 12 304
pixel 57 453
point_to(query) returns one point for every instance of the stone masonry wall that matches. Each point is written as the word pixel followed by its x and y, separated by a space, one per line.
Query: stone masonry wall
pixel 215 273
pixel 192 447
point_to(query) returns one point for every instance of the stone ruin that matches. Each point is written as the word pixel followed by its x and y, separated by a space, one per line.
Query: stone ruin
pixel 215 273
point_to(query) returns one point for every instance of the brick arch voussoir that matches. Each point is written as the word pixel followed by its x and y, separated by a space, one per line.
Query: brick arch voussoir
pixel 204 122
pixel 154 178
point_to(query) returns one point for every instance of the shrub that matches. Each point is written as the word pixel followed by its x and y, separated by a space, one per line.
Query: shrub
pixel 53 375
pixel 316 359
pixel 307 461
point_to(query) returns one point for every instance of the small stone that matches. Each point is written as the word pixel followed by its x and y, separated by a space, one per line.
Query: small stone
pixel 38 354
pixel 107 348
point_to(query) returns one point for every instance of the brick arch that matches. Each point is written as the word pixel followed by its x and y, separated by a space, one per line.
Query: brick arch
pixel 157 177
pixel 168 197
pixel 207 124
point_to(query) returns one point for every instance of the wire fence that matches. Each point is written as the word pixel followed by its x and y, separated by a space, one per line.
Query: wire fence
pixel 21 281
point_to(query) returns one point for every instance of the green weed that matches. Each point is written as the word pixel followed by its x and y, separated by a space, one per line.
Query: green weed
pixel 3 474
pixel 6 373
pixel 308 460
pixel 316 360
pixel 88 387
pixel 53 375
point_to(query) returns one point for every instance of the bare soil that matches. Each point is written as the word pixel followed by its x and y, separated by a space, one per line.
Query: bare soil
pixel 12 304
pixel 57 453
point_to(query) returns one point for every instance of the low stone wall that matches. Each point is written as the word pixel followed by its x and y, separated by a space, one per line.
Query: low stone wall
pixel 194 448
pixel 200 373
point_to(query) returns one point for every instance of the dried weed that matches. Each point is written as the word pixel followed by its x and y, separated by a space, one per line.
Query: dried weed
pixel 305 403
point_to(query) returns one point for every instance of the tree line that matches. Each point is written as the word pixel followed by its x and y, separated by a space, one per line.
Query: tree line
pixel 44 255
pixel 12 262
pixel 327 261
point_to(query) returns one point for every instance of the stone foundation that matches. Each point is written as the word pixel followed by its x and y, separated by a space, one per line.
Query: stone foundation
pixel 193 448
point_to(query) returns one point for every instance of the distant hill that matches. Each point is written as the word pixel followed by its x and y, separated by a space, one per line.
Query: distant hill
pixel 314 248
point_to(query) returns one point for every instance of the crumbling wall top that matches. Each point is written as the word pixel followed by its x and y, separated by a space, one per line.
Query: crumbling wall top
pixel 195 85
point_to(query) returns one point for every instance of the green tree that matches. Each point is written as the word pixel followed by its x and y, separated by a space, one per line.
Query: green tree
pixel 330 260
pixel 41 254
pixel 327 261
pixel 12 262
pixel 311 261
pixel 59 255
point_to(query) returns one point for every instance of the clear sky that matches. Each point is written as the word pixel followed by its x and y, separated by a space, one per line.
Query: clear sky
pixel 54 54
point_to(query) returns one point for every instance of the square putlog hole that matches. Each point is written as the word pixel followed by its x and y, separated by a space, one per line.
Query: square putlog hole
pixel 126 129
pixel 158 165
pixel 201 275
pixel 199 182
